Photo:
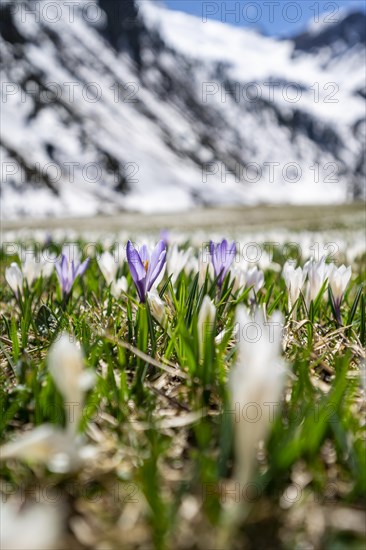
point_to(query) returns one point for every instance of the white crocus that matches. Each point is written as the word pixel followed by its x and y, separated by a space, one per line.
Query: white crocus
pixel 206 319
pixel 31 267
pixel 191 265
pixel 317 273
pixel 50 445
pixel 254 278
pixel 108 266
pixel 48 263
pixel 294 280
pixel 31 527
pixel 60 450
pixel 157 307
pixel 66 365
pixel 363 375
pixel 177 261
pixel 238 277
pixel 256 384
pixel 265 261
pixel 118 287
pixel 14 278
pixel 339 277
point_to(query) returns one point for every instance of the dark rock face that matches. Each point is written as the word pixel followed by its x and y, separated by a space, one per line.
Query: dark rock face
pixel 8 29
pixel 124 26
pixel 124 101
pixel 349 32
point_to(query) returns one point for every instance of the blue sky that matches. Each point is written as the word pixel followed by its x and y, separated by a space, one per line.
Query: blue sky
pixel 274 17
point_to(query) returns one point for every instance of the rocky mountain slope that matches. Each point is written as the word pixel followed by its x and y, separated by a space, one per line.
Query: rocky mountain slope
pixel 132 106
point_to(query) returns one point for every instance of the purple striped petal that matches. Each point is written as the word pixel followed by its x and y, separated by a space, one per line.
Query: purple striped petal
pixel 153 275
pixel 137 271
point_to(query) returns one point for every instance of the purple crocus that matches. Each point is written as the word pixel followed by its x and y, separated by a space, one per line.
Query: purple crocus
pixel 145 268
pixel 67 271
pixel 222 256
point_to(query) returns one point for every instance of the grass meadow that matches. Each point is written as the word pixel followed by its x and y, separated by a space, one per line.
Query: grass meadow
pixel 224 410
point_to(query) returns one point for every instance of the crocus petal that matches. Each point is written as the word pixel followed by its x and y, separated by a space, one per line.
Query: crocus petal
pixel 137 270
pixel 144 254
pixel 156 264
pixel 156 254
pixel 82 268
pixel 153 275
pixel 214 259
pixel 222 256
pixel 135 264
pixel 231 254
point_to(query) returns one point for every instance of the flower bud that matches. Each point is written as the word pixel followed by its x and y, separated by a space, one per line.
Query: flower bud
pixel 14 278
pixel 157 307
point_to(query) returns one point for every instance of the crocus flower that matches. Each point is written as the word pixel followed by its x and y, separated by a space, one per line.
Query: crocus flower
pixel 238 275
pixel 157 307
pixel 222 256
pixel 254 278
pixel 339 277
pixel 177 261
pixel 48 263
pixel 145 267
pixel 47 444
pixel 108 266
pixel 33 526
pixel 31 267
pixel 206 319
pixel 68 270
pixel 66 365
pixel 317 273
pixel 165 236
pixel 61 450
pixel 14 278
pixel 118 287
pixel 363 375
pixel 294 280
pixel 256 383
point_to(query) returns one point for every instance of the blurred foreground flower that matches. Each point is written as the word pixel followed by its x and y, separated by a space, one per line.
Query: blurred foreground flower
pixel 66 366
pixel 60 450
pixel 14 278
pixel 68 270
pixel 145 268
pixel 222 256
pixel 363 375
pixel 256 382
pixel 50 445
pixel 31 527
pixel 206 319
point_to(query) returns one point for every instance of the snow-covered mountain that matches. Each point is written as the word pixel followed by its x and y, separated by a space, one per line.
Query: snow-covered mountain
pixel 138 107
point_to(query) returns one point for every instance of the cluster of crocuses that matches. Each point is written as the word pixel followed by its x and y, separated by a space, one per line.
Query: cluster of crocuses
pixel 147 269
pixel 68 268
pixel 317 275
